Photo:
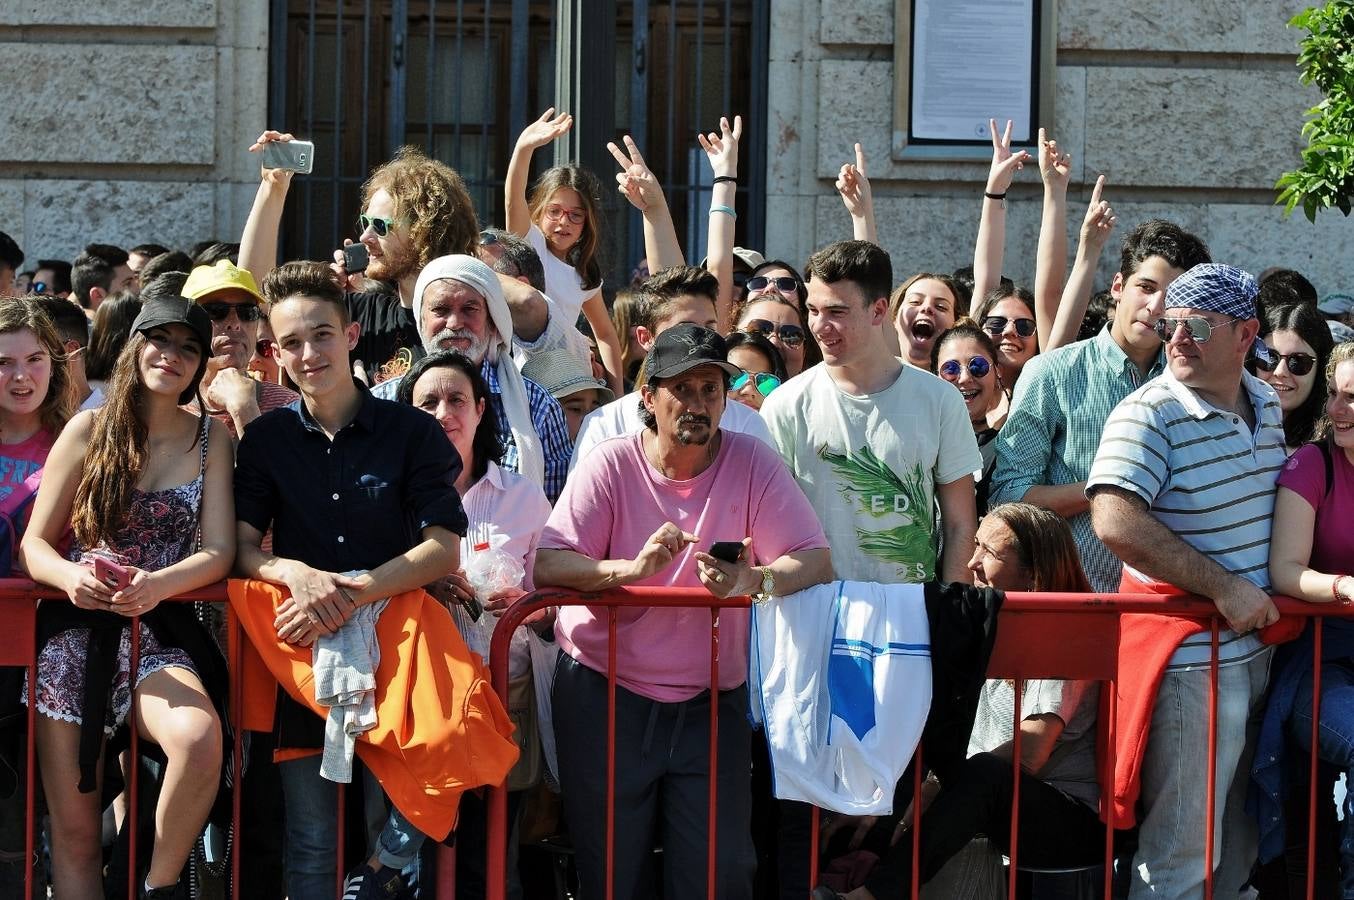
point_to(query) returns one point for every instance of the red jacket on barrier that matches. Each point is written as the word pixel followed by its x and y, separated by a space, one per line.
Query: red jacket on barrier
pixel 440 728
pixel 1146 643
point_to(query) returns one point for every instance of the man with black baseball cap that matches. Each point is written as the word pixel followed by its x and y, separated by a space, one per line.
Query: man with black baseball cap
pixel 645 509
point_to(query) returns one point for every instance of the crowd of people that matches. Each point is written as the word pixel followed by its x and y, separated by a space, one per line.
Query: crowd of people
pixel 385 459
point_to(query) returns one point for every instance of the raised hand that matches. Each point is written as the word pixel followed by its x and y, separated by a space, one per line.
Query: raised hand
pixel 1004 163
pixel 1055 167
pixel 854 186
pixel 272 176
pixel 545 129
pixel 722 148
pixel 636 180
pixel 1100 220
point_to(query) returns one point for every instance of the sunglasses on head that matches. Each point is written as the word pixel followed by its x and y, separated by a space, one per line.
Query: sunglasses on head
pixel 1299 364
pixel 379 224
pixel 995 325
pixel 978 367
pixel 1198 328
pixel 488 239
pixel 790 335
pixel 219 312
pixel 765 381
pixel 783 284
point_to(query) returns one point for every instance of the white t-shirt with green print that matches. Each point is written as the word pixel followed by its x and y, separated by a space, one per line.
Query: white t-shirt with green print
pixel 870 464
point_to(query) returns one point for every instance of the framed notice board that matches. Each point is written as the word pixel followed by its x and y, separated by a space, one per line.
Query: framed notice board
pixel 958 63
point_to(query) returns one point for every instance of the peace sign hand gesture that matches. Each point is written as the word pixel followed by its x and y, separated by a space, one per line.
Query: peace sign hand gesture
pixel 722 149
pixel 1004 163
pixel 636 180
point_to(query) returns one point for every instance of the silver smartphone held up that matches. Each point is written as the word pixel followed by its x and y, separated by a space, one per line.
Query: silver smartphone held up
pixel 295 156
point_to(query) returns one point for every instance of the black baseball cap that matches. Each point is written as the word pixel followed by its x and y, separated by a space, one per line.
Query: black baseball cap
pixel 174 310
pixel 684 347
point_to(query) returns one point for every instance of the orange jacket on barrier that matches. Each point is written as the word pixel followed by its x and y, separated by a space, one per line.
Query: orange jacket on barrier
pixel 1146 643
pixel 440 728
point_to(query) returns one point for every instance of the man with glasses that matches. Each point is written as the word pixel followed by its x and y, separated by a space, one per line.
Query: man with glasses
pixel 1182 490
pixel 52 276
pixel 231 298
pixel 414 209
pixel 1064 397
pixel 672 296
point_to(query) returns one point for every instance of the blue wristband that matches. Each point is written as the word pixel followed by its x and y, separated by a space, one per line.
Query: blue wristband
pixel 727 210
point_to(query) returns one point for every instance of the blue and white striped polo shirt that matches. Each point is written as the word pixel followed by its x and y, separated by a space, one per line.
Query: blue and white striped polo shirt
pixel 1205 475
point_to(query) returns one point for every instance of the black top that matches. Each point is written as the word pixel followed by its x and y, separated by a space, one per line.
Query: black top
pixel 357 502
pixel 387 327
pixel 353 503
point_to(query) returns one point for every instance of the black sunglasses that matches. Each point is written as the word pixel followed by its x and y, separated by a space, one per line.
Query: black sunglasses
pixel 995 325
pixel 782 283
pixel 1299 364
pixel 38 287
pixel 790 335
pixel 978 367
pixel 219 312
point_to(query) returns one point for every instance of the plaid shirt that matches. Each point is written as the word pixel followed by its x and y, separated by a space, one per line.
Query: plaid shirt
pixel 1060 407
pixel 547 417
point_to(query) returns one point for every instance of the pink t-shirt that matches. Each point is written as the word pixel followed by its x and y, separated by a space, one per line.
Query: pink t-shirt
pixel 1305 475
pixel 17 463
pixel 615 500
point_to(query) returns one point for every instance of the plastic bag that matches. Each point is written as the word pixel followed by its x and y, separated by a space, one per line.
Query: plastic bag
pixel 491 571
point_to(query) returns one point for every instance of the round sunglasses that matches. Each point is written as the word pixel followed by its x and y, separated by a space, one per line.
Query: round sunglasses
pixel 790 335
pixel 978 367
pixel 995 325
pixel 765 381
pixel 1299 364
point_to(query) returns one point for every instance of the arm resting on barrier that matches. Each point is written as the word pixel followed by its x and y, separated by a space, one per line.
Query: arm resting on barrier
pixel 1290 552
pixel 1122 521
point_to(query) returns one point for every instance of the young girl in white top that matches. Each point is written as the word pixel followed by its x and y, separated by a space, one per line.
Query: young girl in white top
pixel 561 223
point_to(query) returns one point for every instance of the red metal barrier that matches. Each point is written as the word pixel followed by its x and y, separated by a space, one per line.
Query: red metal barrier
pixel 1070 632
pixel 1044 635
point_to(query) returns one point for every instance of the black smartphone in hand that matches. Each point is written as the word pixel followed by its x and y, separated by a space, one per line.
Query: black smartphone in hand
pixel 355 258
pixel 727 551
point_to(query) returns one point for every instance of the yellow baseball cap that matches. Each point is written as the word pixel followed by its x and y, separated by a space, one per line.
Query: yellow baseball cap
pixel 205 280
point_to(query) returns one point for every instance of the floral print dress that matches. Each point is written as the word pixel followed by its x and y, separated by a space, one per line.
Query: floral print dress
pixel 161 528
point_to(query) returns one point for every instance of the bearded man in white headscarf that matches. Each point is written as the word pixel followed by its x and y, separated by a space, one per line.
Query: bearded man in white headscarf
pixel 459 305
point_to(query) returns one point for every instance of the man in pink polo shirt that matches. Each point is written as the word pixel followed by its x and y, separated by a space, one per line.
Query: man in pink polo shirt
pixel 644 509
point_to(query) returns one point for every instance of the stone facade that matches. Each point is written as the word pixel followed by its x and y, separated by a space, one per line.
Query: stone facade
pixel 127 120
pixel 1191 111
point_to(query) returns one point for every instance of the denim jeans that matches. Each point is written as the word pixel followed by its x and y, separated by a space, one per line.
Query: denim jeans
pixel 312 823
pixel 1335 744
pixel 1171 840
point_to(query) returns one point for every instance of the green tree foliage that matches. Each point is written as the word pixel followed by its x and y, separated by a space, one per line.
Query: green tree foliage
pixel 1326 58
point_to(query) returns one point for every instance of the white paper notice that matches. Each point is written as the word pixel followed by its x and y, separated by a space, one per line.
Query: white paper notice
pixel 971 61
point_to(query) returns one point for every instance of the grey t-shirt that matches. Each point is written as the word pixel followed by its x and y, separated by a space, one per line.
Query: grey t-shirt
pixel 1071 765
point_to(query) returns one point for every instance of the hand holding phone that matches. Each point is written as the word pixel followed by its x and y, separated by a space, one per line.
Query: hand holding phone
pixel 355 258
pixel 294 156
pixel 727 551
pixel 110 573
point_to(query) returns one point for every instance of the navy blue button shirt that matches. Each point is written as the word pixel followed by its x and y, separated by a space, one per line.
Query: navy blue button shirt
pixel 353 503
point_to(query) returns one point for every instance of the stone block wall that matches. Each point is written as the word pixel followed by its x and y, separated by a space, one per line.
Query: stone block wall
pixel 126 121
pixel 1191 111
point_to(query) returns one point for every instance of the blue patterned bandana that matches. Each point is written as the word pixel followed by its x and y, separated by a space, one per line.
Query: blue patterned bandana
pixel 1218 288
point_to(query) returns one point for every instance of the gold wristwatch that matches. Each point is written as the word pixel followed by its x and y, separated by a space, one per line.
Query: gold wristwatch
pixel 768 586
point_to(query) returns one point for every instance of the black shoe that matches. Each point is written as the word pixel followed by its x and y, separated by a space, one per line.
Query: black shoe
pixel 822 892
pixel 384 883
pixel 160 893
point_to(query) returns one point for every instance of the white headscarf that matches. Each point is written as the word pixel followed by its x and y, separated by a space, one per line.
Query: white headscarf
pixel 476 275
